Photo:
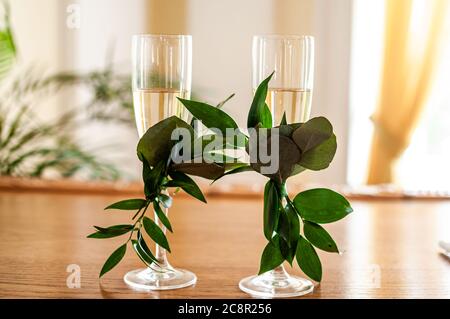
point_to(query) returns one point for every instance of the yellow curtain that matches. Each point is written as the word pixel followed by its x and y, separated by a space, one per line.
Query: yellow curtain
pixel 409 64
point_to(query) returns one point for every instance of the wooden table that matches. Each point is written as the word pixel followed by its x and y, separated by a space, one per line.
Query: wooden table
pixel 390 248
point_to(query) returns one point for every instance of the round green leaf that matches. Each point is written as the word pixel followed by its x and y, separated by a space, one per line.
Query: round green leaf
pixel 312 133
pixel 156 144
pixel 320 156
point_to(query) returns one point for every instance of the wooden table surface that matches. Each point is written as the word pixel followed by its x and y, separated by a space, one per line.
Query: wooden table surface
pixel 390 248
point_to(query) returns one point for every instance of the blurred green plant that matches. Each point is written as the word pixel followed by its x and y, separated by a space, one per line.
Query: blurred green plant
pixel 7 46
pixel 31 147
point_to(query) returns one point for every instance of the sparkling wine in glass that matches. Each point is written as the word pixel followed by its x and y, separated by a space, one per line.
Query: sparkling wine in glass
pixel 289 93
pixel 162 71
pixel 290 90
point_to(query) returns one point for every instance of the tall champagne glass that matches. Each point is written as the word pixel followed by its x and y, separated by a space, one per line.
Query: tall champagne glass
pixel 162 71
pixel 289 94
pixel 292 59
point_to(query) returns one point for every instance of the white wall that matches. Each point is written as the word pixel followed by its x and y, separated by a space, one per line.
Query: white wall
pixel 104 37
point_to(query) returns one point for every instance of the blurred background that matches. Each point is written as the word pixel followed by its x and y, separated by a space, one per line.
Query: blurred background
pixel 382 70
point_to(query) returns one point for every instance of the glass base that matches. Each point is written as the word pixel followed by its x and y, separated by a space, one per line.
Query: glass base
pixel 276 283
pixel 159 279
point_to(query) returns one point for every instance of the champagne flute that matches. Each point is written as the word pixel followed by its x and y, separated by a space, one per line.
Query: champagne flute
pixel 289 95
pixel 162 71
pixel 292 59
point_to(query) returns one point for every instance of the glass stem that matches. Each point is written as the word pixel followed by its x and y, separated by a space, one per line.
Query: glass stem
pixel 279 272
pixel 160 252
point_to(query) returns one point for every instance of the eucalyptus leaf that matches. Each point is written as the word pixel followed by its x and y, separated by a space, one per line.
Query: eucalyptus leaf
pixel 259 112
pixel 283 162
pixel 271 256
pixel 319 237
pixel 155 233
pixel 187 184
pixel 297 169
pixel 128 204
pixel 156 144
pixel 271 209
pixel 312 133
pixel 211 117
pixel 321 156
pixel 308 260
pixel 321 205
pixel 162 217
pixel 114 259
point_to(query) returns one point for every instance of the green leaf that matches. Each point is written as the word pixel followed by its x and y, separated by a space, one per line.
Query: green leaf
pixel 297 170
pixel 7 46
pixel 211 117
pixel 162 217
pixel 288 129
pixel 288 155
pixel 283 119
pixel 286 251
pixel 128 204
pixel 156 144
pixel 205 170
pixel 165 200
pixel 259 111
pixel 289 230
pixel 114 259
pixel 271 256
pixel 321 205
pixel 109 232
pixel 155 233
pixel 308 260
pixel 271 208
pixel 312 133
pixel 319 237
pixel 321 156
pixel 187 184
